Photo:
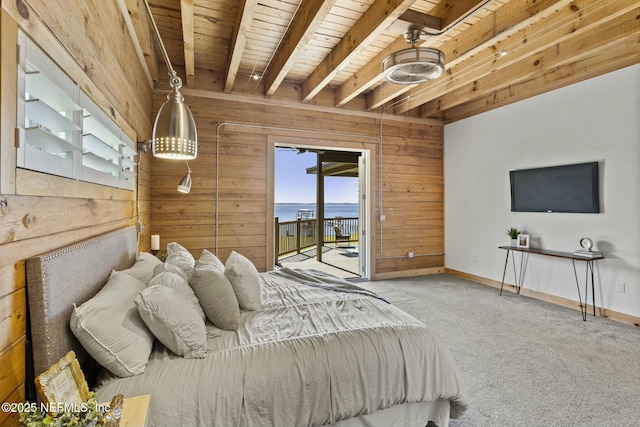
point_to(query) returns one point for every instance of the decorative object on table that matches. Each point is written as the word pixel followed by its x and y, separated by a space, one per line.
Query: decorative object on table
pixel 112 417
pixel 523 241
pixel 155 244
pixel 63 382
pixel 162 255
pixel 67 401
pixel 586 243
pixel 587 249
pixel 87 414
pixel 513 232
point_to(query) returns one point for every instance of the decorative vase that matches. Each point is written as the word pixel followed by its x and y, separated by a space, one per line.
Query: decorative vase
pixel 514 242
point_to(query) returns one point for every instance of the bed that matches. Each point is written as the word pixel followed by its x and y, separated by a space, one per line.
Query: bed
pixel 319 351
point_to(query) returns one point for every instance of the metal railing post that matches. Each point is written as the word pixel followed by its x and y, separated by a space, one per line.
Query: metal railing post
pixel 277 240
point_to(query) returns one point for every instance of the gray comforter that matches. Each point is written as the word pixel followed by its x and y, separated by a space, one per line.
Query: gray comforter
pixel 321 350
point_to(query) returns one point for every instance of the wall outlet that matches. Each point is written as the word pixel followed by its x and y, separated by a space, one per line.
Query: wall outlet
pixel 621 287
pixel 410 255
pixel 382 217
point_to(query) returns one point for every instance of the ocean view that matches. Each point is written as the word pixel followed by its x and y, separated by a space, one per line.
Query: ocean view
pixel 287 211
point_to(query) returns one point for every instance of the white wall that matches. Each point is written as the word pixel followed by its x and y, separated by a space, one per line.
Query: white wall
pixel 595 120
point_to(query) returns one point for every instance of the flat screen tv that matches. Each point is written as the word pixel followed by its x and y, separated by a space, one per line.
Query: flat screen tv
pixel 567 188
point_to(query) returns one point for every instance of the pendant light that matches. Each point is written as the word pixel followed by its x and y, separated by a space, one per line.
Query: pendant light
pixel 185 183
pixel 174 131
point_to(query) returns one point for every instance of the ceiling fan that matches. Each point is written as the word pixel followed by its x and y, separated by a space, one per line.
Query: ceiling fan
pixel 415 64
pixel 419 64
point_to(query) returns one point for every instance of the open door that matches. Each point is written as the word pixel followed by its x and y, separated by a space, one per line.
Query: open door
pixel 362 215
pixel 333 167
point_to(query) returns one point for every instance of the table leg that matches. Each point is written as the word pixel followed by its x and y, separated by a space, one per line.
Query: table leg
pixel 521 274
pixel 504 271
pixel 593 290
pixel 518 277
pixel 583 310
pixel 515 276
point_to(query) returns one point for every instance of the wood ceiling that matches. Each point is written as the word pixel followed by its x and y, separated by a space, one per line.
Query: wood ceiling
pixel 331 51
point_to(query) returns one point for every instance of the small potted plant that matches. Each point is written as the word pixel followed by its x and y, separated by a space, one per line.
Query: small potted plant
pixel 513 232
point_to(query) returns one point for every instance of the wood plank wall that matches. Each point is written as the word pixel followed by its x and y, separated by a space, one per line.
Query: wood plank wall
pixel 39 212
pixel 412 179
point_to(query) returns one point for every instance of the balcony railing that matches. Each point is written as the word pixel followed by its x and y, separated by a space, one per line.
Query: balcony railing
pixel 294 236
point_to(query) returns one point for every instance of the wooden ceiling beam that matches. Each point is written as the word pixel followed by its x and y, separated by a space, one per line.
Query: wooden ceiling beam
pixel 555 59
pixel 188 44
pixel 597 56
pixel 450 12
pixel 624 53
pixel 238 41
pixel 309 17
pixel 414 19
pixel 374 21
pixel 566 23
pixel 494 27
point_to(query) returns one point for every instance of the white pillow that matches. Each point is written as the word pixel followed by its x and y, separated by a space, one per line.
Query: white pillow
pixel 210 259
pixel 245 279
pixel 143 267
pixel 173 321
pixel 171 268
pixel 216 295
pixel 109 327
pixel 180 257
pixel 173 277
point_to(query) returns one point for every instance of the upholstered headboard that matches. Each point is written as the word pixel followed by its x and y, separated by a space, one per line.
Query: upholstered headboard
pixel 71 274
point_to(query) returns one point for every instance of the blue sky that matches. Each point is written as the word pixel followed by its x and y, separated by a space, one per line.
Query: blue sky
pixel 294 185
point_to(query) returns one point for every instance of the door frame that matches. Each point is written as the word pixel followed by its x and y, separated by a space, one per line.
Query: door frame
pixel 344 143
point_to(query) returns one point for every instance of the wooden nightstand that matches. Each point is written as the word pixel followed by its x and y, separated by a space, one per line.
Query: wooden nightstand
pixel 134 411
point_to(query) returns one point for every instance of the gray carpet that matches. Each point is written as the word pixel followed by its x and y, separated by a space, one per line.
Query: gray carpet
pixel 526 362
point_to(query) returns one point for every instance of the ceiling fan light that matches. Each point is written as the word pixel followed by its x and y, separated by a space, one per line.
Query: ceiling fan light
pixel 413 65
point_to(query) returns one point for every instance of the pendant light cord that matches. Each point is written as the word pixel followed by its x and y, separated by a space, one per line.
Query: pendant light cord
pixel 176 81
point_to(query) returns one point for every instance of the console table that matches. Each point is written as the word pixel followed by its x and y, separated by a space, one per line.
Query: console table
pixel 519 277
